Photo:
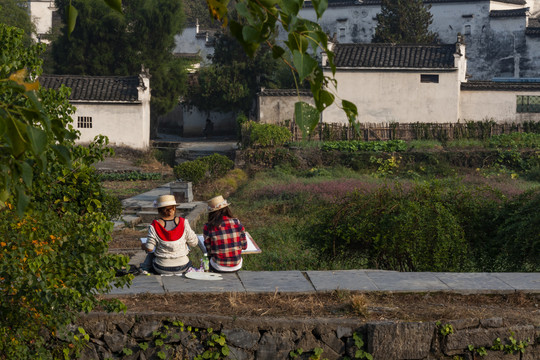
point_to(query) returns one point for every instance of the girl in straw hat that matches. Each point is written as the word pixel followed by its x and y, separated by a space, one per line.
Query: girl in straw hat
pixel 224 237
pixel 168 239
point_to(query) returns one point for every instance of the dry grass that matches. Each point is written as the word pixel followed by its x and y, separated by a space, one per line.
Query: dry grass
pixel 514 308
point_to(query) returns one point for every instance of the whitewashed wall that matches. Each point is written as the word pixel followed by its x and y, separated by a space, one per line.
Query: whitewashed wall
pixel 397 96
pixel 41 13
pixel 278 109
pixel 123 124
pixel 500 106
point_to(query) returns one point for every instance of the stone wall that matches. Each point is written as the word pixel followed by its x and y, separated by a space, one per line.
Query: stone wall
pixel 174 336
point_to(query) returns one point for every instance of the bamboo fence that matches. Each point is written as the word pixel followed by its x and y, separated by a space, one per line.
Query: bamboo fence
pixel 412 131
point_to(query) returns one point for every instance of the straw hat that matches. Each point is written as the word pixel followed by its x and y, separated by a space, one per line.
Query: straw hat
pixel 217 203
pixel 165 200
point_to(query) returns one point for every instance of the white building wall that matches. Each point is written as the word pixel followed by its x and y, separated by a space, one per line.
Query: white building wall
pixel 279 109
pixel 41 13
pixel 500 106
pixel 396 96
pixel 123 124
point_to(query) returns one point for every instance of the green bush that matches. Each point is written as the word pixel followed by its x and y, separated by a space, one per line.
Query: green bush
pixel 218 165
pixel 394 229
pixel 193 171
pixel 264 135
pixel 203 168
pixel 517 242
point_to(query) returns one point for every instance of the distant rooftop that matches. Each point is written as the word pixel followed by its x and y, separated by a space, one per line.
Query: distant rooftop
pixel 96 88
pixel 509 13
pixel 500 85
pixel 394 56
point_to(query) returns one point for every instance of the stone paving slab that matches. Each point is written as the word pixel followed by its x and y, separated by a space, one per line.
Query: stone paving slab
pixel 474 282
pixel 272 281
pixel 407 281
pixel 353 280
pixel 529 282
pixel 142 284
pixel 230 283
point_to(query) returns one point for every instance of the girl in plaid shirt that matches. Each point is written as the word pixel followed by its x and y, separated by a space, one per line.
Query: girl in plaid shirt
pixel 224 237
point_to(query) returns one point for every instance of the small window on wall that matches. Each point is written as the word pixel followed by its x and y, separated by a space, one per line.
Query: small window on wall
pixel 429 78
pixel 528 104
pixel 84 122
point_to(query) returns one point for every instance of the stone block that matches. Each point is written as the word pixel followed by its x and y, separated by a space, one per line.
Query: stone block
pixel 463 324
pixel 456 342
pixel 274 346
pixel 531 353
pixel 492 323
pixel 240 354
pixel 115 341
pixel 307 342
pixel 241 338
pixel 329 338
pixel 342 332
pixel 144 330
pixel 400 340
pixel 88 352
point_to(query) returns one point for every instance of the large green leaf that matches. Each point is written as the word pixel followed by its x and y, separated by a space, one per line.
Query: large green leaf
pixel 37 138
pixel 26 173
pixel 250 34
pixel 306 117
pixel 320 7
pixel 304 64
pixel 72 18
pixel 115 5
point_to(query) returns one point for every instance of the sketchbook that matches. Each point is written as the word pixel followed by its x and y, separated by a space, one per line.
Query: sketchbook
pixel 252 247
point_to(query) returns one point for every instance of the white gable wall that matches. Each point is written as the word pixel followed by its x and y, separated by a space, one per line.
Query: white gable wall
pixel 397 96
pixel 123 124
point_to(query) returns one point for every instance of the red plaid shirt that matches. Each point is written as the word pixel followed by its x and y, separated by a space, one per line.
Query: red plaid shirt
pixel 225 242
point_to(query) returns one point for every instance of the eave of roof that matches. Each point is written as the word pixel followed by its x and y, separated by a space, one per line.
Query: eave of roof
pixel 500 86
pixel 110 89
pixel 285 92
pixel 509 13
pixel 342 3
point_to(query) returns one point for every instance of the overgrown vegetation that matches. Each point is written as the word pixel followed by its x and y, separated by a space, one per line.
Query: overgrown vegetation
pixel 389 209
pixel 54 222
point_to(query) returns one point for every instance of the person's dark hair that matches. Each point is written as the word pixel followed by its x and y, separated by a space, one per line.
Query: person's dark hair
pixel 216 217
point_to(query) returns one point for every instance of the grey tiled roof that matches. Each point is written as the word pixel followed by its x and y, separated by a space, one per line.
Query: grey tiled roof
pixel 500 86
pixel 96 88
pixel 533 28
pixel 337 3
pixel 284 92
pixel 509 13
pixel 394 56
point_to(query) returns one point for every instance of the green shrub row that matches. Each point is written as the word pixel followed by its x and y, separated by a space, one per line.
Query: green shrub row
pixel 358 145
pixel 515 140
pixel 434 226
pixel 203 168
pixel 129 176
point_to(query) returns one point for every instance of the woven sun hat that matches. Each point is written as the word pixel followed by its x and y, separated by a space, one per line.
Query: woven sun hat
pixel 217 203
pixel 165 200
